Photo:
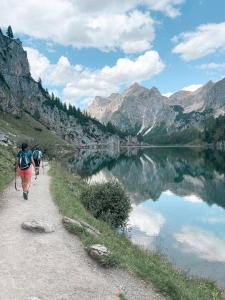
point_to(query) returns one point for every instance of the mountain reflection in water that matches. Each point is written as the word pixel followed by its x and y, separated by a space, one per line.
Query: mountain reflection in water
pixel 178 201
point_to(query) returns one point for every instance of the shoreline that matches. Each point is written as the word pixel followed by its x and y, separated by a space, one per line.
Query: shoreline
pixel 150 266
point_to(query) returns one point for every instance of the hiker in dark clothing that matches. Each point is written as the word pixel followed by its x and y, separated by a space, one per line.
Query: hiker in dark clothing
pixel 24 162
pixel 37 156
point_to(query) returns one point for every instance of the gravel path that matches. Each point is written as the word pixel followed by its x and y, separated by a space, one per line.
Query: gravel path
pixel 53 266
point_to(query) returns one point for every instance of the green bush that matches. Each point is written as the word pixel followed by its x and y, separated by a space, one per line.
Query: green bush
pixel 108 202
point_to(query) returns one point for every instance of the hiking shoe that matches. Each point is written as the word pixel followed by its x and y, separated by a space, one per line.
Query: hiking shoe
pixel 25 195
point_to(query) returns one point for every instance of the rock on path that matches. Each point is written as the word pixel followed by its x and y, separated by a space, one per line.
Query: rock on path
pixel 53 266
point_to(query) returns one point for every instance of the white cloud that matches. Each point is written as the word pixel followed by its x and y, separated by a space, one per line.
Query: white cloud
pixel 106 25
pixel 214 220
pixel 202 243
pixel 146 220
pixel 169 7
pixel 192 87
pixel 212 66
pixel 168 193
pixel 78 82
pixel 193 199
pixel 206 39
pixel 38 62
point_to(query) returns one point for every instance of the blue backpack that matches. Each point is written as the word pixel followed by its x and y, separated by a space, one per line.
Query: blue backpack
pixel 24 160
pixel 36 154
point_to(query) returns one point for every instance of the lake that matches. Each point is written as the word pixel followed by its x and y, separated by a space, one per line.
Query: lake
pixel 178 201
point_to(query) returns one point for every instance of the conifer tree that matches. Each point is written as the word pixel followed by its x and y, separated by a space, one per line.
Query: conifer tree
pixel 39 82
pixel 1 31
pixel 9 32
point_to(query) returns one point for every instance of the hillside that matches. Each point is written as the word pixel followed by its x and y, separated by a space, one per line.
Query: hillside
pixel 179 118
pixel 20 93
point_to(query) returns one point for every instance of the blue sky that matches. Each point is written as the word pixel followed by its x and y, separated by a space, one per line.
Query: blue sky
pixel 84 48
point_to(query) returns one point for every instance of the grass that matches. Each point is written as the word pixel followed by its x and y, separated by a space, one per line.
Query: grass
pixel 27 129
pixel 149 266
pixel 6 166
pixel 122 297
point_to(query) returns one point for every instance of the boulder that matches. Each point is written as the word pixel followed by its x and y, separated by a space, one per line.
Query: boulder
pixel 88 228
pixel 4 138
pixel 38 226
pixel 97 252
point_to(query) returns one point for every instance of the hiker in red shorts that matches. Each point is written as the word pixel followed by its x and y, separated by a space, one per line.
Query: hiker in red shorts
pixel 24 162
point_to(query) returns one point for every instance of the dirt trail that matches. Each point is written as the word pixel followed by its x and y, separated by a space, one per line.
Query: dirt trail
pixel 52 266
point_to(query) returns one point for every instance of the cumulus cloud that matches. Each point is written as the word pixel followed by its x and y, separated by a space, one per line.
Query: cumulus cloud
pixel 106 25
pixel 38 62
pixel 202 243
pixel 168 193
pixel 146 220
pixel 206 39
pixel 80 82
pixel 192 87
pixel 212 66
pixel 169 7
pixel 193 199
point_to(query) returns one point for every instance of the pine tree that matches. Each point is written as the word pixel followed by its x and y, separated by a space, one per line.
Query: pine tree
pixel 1 31
pixel 9 32
pixel 39 82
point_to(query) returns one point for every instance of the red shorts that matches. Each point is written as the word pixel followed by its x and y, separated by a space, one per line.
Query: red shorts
pixel 25 173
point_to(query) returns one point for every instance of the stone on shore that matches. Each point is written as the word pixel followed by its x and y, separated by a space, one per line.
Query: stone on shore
pixel 38 226
pixel 97 252
pixel 88 228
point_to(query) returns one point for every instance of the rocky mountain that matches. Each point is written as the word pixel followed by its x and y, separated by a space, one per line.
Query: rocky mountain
pixel 138 108
pixel 147 111
pixel 19 92
pixel 199 100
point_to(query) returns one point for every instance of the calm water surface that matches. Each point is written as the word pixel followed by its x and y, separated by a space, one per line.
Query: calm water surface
pixel 178 202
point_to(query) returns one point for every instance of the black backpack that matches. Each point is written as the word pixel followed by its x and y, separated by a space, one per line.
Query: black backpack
pixel 24 160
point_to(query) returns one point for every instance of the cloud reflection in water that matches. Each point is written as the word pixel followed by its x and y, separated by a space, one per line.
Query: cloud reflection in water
pixel 202 243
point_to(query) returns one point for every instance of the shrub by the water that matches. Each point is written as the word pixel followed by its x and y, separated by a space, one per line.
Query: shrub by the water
pixel 108 202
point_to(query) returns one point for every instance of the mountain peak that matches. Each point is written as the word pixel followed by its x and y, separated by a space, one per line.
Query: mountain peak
pixel 135 85
pixel 134 89
pixel 154 90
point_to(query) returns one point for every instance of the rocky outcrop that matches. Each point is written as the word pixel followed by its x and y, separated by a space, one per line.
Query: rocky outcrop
pixel 138 108
pixel 145 110
pixel 20 92
pixel 4 139
pixel 198 100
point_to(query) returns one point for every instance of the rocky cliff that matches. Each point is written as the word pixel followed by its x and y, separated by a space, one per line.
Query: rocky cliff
pixel 138 108
pixel 20 92
pixel 146 110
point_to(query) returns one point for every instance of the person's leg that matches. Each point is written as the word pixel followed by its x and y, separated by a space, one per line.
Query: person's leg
pixel 23 180
pixel 27 181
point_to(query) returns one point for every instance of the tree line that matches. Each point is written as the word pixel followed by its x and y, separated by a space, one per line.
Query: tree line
pixel 82 117
pixel 214 130
pixel 9 32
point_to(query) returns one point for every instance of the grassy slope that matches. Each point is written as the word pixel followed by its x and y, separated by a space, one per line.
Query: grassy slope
pixel 6 166
pixel 150 266
pixel 29 130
